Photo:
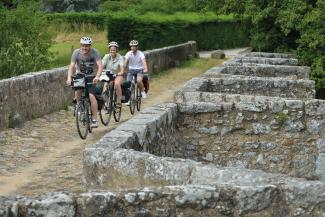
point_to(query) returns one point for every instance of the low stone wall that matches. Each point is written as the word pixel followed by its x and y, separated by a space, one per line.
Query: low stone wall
pixel 287 88
pixel 269 55
pixel 151 131
pixel 260 70
pixel 35 94
pixel 284 199
pixel 264 60
pixel 167 57
pixel 251 135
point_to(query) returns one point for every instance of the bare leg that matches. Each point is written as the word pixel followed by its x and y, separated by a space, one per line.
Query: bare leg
pixel 118 81
pixel 139 82
pixel 94 106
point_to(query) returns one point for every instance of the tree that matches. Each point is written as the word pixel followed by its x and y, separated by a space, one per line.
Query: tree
pixel 70 5
pixel 24 43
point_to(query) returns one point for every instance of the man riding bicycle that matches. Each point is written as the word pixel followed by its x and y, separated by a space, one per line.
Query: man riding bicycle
pixel 136 61
pixel 87 61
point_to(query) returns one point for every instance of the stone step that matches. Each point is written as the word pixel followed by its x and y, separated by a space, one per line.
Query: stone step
pixel 269 55
pixel 264 60
pixel 276 87
pixel 260 70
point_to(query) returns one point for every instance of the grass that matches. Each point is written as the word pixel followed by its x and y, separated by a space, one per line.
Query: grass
pixel 175 76
pixel 65 43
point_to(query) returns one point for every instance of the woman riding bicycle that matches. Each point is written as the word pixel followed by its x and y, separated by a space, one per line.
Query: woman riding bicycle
pixel 115 63
pixel 137 65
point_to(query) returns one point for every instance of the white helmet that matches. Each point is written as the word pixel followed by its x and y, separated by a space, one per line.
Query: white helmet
pixel 113 44
pixel 134 43
pixel 85 40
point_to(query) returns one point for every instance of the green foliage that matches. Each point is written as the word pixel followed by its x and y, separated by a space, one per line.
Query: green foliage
pixel 161 6
pixel 70 5
pixel 155 30
pixel 76 20
pixel 288 25
pixel 24 44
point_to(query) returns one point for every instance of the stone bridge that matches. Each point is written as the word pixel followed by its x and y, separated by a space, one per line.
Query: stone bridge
pixel 246 139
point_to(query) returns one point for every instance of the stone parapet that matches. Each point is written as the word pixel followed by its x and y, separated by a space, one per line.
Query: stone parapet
pixel 283 198
pixel 264 60
pixel 269 55
pixel 277 87
pixel 259 70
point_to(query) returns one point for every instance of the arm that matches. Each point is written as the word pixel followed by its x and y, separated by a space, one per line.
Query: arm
pixel 121 67
pixel 145 67
pixel 99 71
pixel 126 61
pixel 70 71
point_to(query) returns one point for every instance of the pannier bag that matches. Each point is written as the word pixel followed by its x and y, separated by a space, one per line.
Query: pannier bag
pixel 146 83
pixel 78 81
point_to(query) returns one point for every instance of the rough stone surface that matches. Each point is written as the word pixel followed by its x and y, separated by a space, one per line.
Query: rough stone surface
pixel 259 70
pixel 188 200
pixel 276 87
pixel 269 55
pixel 264 60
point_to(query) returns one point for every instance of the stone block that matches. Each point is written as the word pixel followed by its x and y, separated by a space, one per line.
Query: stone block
pixel 218 54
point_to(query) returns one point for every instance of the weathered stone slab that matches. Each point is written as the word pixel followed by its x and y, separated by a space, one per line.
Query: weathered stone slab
pixel 264 60
pixel 269 55
pixel 259 70
pixel 275 87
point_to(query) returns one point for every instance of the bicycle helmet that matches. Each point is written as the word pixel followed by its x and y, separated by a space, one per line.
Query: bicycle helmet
pixel 85 40
pixel 113 44
pixel 134 43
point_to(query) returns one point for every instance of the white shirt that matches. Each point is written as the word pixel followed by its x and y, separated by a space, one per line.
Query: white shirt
pixel 135 61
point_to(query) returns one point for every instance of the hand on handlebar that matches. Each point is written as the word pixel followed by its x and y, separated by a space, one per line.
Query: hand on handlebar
pixel 68 82
pixel 96 79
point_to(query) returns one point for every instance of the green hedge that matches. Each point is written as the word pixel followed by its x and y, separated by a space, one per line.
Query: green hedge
pixel 154 30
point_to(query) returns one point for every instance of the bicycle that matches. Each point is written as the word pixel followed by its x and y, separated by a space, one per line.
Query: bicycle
pixel 82 110
pixel 110 99
pixel 135 98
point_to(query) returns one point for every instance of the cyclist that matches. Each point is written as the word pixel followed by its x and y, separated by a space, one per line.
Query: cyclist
pixel 87 61
pixel 115 63
pixel 136 61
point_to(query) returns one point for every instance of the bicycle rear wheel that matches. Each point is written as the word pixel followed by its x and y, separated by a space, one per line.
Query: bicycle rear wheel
pixel 138 99
pixel 133 98
pixel 82 120
pixel 117 109
pixel 106 113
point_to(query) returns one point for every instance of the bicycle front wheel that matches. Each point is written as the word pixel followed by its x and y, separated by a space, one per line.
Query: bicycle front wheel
pixel 133 99
pixel 82 120
pixel 138 99
pixel 117 109
pixel 106 113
